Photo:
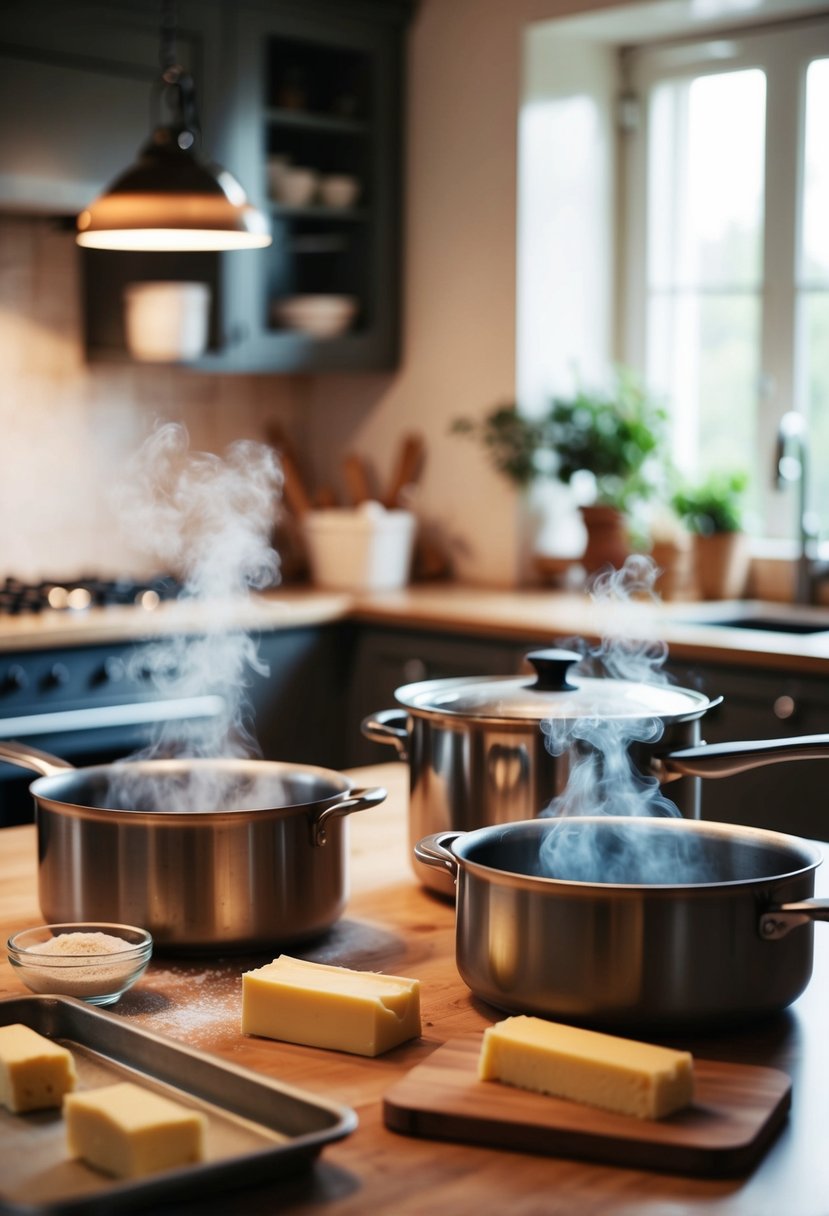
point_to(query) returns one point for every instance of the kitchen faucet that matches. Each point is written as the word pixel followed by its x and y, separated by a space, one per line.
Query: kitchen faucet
pixel 791 465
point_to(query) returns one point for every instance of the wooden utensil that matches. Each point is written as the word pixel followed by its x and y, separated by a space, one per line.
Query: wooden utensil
pixel 407 469
pixel 294 490
pixel 293 487
pixel 737 1110
pixel 357 480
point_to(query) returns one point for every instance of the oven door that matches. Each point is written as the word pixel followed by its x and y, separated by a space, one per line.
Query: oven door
pixel 87 705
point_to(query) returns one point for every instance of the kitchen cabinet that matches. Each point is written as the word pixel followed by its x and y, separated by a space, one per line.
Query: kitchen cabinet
pixel 76 104
pixel 318 82
pixel 788 797
pixel 298 705
pixel 385 659
pixel 75 81
pixel 785 797
pixel 318 86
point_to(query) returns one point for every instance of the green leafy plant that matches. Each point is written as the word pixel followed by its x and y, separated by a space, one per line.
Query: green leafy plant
pixel 618 436
pixel 715 504
pixel 512 441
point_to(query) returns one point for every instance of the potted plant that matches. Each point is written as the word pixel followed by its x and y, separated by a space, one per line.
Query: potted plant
pixel 607 443
pixel 713 511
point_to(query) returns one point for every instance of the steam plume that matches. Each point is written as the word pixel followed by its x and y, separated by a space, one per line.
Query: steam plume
pixel 603 777
pixel 209 520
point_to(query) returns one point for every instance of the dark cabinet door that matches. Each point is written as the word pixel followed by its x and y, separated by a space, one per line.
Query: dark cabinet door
pixel 385 659
pixel 786 797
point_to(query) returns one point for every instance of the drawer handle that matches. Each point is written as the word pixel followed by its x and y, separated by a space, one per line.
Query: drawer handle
pixel 784 707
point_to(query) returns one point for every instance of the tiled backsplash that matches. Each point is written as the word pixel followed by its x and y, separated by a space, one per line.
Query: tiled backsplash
pixel 67 428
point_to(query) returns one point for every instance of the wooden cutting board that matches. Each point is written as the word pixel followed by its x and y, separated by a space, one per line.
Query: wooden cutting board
pixel 737 1111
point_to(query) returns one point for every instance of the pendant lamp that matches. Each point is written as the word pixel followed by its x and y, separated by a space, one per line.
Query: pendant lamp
pixel 172 198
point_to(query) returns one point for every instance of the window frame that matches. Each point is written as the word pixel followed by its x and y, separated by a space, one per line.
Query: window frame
pixel 783 52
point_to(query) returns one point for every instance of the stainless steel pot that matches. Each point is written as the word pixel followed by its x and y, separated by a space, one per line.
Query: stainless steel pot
pixel 720 931
pixel 477 753
pixel 269 869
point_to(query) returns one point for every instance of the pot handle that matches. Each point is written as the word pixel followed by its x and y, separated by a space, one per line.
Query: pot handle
pixel 389 726
pixel 726 759
pixel 353 800
pixel 434 851
pixel 24 756
pixel 777 922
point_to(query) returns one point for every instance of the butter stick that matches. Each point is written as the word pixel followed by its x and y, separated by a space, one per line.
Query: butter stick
pixel 130 1132
pixel 317 1005
pixel 601 1070
pixel 35 1073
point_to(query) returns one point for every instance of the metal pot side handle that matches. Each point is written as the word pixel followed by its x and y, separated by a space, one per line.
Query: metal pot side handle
pixel 434 851
pixel 777 922
pixel 726 759
pixel 353 800
pixel 31 758
pixel 389 726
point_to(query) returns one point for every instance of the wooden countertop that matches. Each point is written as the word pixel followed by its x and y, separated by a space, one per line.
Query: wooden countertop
pixel 523 616
pixel 391 924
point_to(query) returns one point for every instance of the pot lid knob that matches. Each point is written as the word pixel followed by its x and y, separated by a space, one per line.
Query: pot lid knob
pixel 551 668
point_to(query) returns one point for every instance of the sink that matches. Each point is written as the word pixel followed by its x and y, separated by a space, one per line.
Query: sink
pixel 768 623
pixel 766 618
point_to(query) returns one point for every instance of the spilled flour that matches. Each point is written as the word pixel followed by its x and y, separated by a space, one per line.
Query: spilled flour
pixel 200 1007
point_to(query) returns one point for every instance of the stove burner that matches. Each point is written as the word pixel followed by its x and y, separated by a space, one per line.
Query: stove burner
pixel 74 595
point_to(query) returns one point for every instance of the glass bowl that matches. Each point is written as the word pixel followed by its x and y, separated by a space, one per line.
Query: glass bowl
pixel 95 962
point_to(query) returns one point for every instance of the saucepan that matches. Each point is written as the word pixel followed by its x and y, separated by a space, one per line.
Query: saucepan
pixel 233 854
pixel 480 752
pixel 632 922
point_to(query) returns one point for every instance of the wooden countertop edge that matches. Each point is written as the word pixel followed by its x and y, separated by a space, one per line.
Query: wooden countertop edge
pixel 530 616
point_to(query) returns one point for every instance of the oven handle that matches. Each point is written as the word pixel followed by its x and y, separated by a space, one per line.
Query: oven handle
pixel 139 713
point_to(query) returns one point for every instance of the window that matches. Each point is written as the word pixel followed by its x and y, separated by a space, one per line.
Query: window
pixel 726 251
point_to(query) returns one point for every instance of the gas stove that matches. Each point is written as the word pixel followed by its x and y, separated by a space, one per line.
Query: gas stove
pixel 77 594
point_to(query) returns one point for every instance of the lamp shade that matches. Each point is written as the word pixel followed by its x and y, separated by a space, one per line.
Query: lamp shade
pixel 172 199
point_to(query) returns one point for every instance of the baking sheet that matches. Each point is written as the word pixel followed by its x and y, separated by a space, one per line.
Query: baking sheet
pixel 257 1129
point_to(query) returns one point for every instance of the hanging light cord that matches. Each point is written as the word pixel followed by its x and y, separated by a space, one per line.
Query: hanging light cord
pixel 176 85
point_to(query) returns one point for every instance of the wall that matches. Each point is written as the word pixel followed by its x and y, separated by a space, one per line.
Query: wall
pixel 66 428
pixel 465 65
pixel 460 357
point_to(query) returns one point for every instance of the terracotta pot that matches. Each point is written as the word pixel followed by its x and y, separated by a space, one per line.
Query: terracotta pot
pixel 721 563
pixel 608 542
pixel 674 563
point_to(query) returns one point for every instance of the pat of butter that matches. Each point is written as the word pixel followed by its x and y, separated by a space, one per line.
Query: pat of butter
pixel 129 1132
pixel 35 1073
pixel 363 1012
pixel 586 1066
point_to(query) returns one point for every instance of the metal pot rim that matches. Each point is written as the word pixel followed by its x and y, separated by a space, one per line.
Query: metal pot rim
pixel 465 842
pixel 44 789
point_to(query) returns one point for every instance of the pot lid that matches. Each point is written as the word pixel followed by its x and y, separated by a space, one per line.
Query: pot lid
pixel 553 692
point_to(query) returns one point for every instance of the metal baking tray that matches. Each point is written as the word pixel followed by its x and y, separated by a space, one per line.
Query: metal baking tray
pixel 258 1129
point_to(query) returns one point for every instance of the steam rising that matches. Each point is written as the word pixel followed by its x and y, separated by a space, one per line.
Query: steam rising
pixel 603 777
pixel 209 520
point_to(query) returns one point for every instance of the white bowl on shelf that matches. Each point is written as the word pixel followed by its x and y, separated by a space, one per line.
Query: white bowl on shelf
pixel 296 186
pixel 339 190
pixel 320 316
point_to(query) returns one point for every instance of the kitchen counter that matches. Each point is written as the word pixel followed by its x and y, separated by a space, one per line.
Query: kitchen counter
pixel 391 924
pixel 520 615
